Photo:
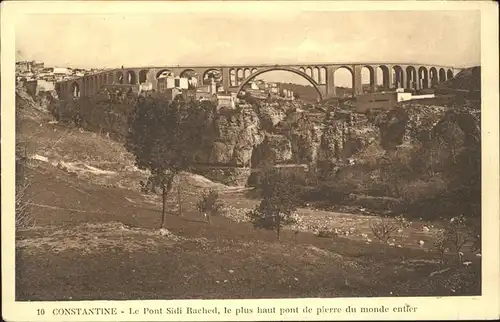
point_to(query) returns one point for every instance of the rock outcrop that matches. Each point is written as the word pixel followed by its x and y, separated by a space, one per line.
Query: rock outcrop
pixel 231 138
pixel 273 134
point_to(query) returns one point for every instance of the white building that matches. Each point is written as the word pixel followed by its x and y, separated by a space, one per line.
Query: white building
pixel 227 100
pixel 177 82
pixel 210 89
pixel 386 100
pixel 254 85
pixel 409 96
pixel 60 71
pixel 44 86
pixel 145 87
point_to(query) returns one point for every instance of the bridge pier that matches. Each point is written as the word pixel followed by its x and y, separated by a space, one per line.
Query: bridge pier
pixel 374 79
pixel 226 78
pixel 357 85
pixel 330 84
pixel 400 79
pixel 390 77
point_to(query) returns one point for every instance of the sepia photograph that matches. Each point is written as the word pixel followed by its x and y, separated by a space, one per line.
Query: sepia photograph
pixel 245 154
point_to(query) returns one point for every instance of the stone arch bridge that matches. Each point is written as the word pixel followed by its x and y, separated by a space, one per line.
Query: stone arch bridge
pixel 321 76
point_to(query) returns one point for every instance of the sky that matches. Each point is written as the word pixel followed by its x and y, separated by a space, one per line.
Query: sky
pixel 197 38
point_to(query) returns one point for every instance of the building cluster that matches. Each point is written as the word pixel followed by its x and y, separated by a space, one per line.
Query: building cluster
pixel 187 87
pixel 40 78
pixel 262 89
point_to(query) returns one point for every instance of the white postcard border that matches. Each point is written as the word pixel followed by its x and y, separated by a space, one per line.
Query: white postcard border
pixel 480 307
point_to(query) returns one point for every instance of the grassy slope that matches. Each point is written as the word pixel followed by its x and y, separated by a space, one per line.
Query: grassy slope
pixel 96 238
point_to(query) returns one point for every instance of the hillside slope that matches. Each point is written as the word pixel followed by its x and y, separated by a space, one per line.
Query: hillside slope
pixel 468 79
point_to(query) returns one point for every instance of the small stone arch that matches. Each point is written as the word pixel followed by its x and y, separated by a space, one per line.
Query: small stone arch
pixel 143 76
pixel 239 76
pixel 131 77
pixel 341 69
pixel 322 75
pixel 411 77
pixel 433 76
pixel 75 90
pixel 449 74
pixel 232 77
pixel 164 73
pixel 309 72
pixel 423 77
pixel 385 76
pixel 192 77
pixel 315 74
pixel 188 73
pixel 442 75
pixel 91 85
pixel 399 76
pixel 119 77
pixel 371 77
pixel 214 74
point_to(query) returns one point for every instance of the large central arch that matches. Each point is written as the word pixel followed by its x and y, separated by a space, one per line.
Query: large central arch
pixel 288 69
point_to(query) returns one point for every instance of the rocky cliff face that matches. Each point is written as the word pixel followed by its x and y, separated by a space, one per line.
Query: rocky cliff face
pixel 414 123
pixel 272 134
pixel 231 137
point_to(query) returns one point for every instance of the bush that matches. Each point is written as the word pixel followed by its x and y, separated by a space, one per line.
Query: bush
pixel 383 229
pixel 464 280
pixel 326 232
pixel 210 204
pixel 455 235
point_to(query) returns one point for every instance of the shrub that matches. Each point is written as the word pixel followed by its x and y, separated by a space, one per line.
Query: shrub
pixel 403 221
pixel 326 232
pixel 455 235
pixel 463 280
pixel 383 229
pixel 210 204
